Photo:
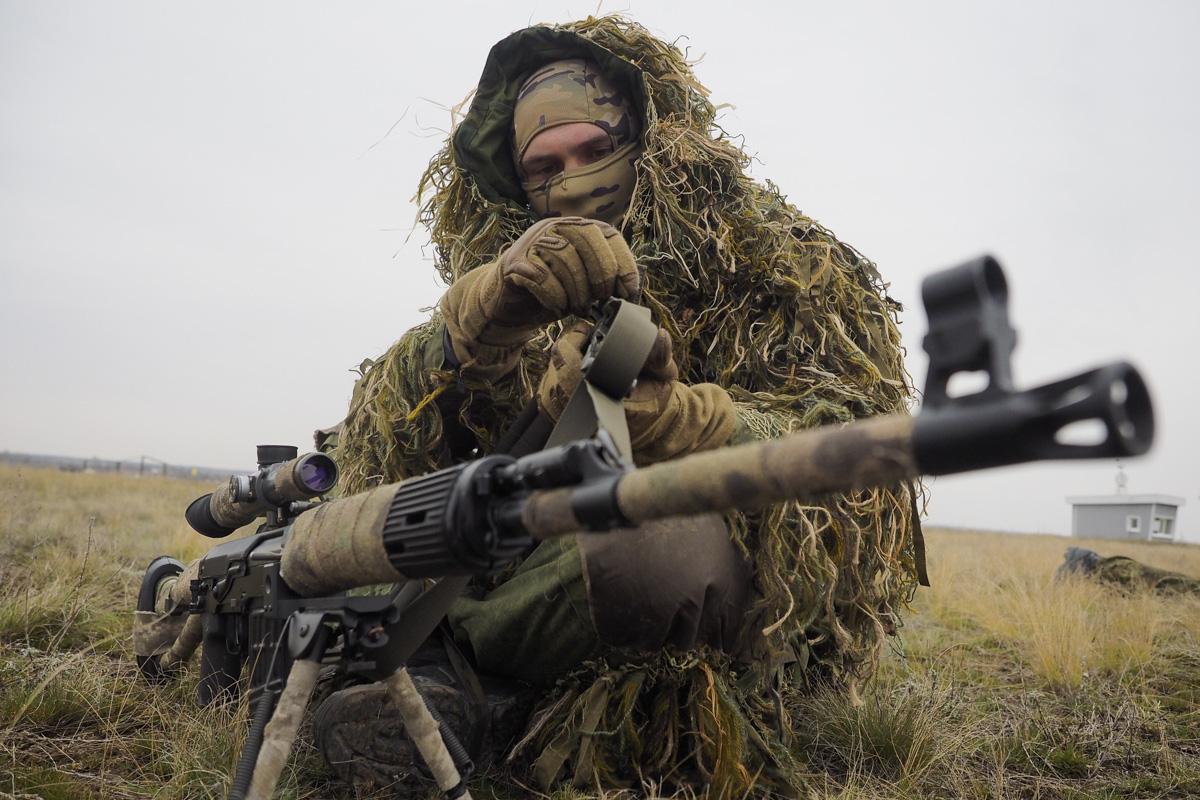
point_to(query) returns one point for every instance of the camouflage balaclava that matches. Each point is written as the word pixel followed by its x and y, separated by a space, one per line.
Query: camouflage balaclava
pixel 574 90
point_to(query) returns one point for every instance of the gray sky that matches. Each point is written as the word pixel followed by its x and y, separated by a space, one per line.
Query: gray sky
pixel 203 217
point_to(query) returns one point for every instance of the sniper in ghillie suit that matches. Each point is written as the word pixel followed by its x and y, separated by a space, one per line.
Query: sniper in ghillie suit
pixel 648 471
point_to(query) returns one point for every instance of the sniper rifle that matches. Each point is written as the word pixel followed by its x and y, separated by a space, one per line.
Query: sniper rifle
pixel 276 599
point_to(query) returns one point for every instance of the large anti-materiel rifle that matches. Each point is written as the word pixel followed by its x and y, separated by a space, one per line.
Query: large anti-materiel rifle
pixel 275 599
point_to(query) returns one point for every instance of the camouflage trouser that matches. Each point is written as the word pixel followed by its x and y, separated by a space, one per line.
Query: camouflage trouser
pixel 679 583
pixel 1126 573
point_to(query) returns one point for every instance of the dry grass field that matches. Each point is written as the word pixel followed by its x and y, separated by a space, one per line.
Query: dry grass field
pixel 1002 684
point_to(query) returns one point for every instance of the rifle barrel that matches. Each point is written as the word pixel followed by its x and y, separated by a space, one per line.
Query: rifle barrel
pixel 872 452
pixel 992 429
pixel 450 522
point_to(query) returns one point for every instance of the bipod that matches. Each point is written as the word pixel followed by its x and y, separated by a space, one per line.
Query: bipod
pixel 281 704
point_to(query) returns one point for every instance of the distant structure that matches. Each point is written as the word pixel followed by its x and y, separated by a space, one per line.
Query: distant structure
pixel 137 466
pixel 1142 517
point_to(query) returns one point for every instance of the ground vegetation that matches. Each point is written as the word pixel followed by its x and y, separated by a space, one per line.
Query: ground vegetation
pixel 1001 684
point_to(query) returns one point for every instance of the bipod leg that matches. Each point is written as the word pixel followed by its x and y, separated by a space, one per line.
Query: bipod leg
pixel 425 731
pixel 308 641
pixel 262 714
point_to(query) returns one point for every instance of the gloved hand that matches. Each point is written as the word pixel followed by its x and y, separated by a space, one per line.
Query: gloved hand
pixel 666 418
pixel 557 268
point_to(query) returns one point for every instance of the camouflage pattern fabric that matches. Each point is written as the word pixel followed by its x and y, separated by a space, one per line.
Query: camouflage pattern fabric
pixel 1125 573
pixel 600 190
pixel 574 90
pixel 571 90
pixel 568 602
pixel 1122 571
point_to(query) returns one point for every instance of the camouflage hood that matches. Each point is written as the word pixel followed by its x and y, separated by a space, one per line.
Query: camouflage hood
pixel 483 142
pixel 714 245
pixel 758 298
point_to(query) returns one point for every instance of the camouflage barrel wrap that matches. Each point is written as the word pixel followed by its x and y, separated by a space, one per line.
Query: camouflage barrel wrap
pixel 288 478
pixel 873 452
pixel 868 453
pixel 227 511
pixel 285 483
pixel 187 642
pixel 154 633
pixel 338 545
pixel 181 591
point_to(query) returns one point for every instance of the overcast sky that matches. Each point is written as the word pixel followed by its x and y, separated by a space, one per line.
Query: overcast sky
pixel 204 217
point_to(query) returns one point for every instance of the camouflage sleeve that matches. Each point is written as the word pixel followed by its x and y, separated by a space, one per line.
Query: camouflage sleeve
pixel 763 416
pixel 412 412
pixel 754 423
pixel 387 435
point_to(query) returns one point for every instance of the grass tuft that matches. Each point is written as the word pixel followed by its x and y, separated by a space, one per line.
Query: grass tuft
pixel 898 734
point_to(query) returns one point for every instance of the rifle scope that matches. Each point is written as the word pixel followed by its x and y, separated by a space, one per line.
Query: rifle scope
pixel 283 478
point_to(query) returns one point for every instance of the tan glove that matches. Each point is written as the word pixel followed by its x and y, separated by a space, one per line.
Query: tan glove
pixel 557 268
pixel 666 418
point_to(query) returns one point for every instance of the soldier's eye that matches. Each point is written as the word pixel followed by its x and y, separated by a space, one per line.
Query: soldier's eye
pixel 542 170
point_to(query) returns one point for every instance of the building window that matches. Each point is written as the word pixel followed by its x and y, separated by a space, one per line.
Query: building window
pixel 1162 526
pixel 1133 524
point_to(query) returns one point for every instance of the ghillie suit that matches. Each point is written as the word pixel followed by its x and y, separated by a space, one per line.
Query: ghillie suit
pixel 1124 573
pixel 759 299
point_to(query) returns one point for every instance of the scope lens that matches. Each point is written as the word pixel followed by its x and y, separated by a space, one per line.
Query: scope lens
pixel 318 473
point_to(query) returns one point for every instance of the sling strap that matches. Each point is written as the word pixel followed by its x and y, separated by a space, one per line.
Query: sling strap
pixel 620 343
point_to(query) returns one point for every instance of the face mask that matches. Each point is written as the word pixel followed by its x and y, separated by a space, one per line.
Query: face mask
pixel 601 190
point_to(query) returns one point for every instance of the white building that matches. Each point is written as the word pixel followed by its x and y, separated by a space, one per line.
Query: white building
pixel 1143 517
